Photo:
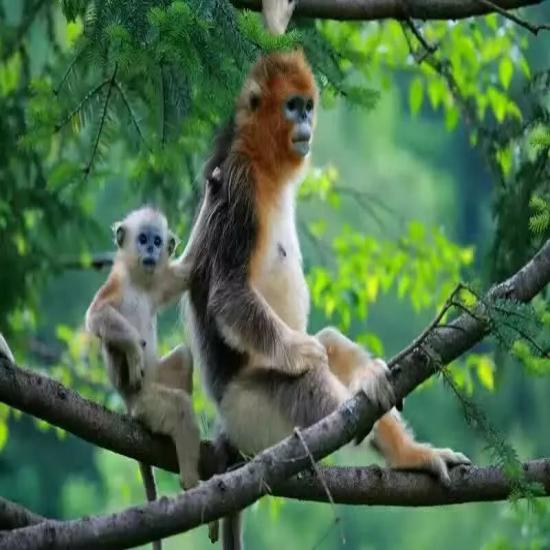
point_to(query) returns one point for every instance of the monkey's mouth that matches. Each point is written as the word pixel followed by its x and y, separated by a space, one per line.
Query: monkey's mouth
pixel 301 146
pixel 149 262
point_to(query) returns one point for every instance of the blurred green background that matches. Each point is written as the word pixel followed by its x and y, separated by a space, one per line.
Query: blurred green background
pixel 427 169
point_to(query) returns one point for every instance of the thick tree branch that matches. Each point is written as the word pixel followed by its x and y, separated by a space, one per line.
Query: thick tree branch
pixel 379 486
pixel 393 9
pixel 235 490
pixel 370 486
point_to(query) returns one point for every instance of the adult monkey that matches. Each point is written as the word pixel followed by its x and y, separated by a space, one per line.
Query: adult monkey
pixel 249 302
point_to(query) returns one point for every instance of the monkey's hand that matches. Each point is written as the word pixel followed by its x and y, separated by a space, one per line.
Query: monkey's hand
pixel 136 368
pixel 374 379
pixel 303 352
pixel 277 14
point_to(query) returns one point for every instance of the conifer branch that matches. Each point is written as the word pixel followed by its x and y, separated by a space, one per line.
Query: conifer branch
pixel 78 107
pixel 131 112
pixel 227 493
pixel 110 84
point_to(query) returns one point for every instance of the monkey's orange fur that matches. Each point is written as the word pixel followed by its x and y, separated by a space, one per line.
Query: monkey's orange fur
pixel 265 136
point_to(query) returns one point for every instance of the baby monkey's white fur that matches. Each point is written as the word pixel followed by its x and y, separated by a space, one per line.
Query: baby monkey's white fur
pixel 123 315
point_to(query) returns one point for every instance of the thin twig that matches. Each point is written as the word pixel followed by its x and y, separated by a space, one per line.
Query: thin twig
pixel 111 82
pixel 67 72
pixel 513 17
pixel 429 49
pixel 89 95
pixel 316 242
pixel 164 104
pixel 133 117
pixel 418 341
pixel 319 475
pixel 98 261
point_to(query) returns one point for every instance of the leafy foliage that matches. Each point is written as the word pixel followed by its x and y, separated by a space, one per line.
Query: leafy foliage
pixel 105 104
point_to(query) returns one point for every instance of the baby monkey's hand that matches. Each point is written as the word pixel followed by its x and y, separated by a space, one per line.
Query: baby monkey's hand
pixel 136 367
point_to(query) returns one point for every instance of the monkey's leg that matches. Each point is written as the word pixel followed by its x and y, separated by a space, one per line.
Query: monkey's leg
pixel 358 370
pixel 170 412
pixel 175 369
pixel 261 407
pixel 148 478
pixel 401 451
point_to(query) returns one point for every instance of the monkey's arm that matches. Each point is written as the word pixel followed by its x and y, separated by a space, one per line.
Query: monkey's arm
pixel 112 328
pixel 176 280
pixel 244 318
pixel 103 320
pixel 248 323
pixel 178 274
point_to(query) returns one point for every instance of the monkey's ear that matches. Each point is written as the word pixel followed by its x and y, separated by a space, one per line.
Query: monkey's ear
pixel 173 241
pixel 119 232
pixel 254 101
pixel 253 95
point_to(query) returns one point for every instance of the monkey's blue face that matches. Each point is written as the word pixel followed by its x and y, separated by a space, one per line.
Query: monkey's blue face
pixel 149 243
pixel 298 110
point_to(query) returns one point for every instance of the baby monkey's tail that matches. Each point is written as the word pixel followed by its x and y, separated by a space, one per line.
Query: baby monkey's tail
pixel 150 491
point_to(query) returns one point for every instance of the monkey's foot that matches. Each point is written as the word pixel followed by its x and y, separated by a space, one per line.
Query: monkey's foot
pixel 214 531
pixel 189 479
pixel 374 380
pixel 277 14
pixel 437 461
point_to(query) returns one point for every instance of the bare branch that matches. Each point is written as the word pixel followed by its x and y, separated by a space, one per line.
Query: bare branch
pixel 235 490
pixel 418 341
pixel 393 9
pixel 381 486
pixel 513 17
pixel 98 261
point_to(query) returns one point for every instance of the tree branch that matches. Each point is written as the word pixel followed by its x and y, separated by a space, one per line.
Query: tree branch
pixel 235 490
pixel 367 10
pixel 380 486
pixel 13 515
pixel 371 486
pixel 517 20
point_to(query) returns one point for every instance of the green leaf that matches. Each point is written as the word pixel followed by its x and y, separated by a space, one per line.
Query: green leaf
pixel 485 369
pixel 416 95
pixel 3 434
pixel 505 72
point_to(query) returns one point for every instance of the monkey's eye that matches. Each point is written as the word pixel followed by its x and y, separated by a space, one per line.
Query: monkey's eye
pixel 142 238
pixel 158 241
pixel 292 104
pixel 309 105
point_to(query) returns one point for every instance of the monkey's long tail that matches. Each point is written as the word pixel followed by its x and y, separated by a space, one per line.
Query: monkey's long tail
pixel 232 532
pixel 150 491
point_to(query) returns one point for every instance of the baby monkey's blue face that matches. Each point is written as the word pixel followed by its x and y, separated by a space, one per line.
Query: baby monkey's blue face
pixel 149 243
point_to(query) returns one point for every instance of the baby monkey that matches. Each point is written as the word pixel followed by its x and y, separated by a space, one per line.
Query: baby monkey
pixel 123 314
